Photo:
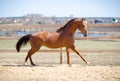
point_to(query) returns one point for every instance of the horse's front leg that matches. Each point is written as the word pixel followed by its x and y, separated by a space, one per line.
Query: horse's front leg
pixel 75 50
pixel 68 55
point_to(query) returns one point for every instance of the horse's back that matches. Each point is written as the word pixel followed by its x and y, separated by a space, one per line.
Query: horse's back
pixel 48 39
pixel 45 34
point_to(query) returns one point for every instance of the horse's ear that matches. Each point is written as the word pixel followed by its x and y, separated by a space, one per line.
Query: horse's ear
pixel 83 19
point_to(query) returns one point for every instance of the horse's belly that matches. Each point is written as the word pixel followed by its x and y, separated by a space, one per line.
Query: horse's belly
pixel 53 45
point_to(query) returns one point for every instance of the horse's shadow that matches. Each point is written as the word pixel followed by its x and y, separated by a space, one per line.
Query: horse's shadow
pixel 22 65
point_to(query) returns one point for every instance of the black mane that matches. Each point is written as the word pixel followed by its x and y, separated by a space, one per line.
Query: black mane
pixel 62 28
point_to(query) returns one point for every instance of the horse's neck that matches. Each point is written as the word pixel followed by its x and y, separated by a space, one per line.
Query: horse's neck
pixel 71 29
pixel 60 30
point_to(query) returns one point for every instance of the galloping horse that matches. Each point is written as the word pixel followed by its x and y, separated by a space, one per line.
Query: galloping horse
pixel 63 37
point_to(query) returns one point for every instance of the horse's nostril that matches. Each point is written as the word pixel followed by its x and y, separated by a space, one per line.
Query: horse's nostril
pixel 85 35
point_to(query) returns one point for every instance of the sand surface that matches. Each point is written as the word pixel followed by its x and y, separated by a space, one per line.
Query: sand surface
pixel 60 73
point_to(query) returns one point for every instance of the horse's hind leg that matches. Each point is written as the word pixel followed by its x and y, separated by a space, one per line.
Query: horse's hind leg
pixel 30 53
pixel 26 58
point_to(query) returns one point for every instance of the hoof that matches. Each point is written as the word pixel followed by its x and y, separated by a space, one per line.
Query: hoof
pixel 70 65
pixel 24 63
pixel 33 64
pixel 88 63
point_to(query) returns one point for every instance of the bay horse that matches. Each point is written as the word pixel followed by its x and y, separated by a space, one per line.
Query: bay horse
pixel 63 37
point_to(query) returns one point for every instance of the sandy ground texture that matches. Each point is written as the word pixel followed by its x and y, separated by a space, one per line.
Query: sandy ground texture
pixel 102 67
pixel 60 73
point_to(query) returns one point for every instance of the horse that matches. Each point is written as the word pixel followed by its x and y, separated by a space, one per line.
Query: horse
pixel 63 37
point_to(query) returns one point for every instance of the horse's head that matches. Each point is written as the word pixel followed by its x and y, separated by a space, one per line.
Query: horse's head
pixel 82 27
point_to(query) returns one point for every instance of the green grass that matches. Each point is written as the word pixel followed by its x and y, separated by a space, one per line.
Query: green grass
pixel 7 44
pixel 97 45
pixel 80 44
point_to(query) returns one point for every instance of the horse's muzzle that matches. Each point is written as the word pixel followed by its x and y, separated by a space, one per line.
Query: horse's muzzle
pixel 85 35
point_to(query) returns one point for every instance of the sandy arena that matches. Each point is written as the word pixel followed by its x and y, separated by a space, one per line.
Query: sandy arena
pixel 60 73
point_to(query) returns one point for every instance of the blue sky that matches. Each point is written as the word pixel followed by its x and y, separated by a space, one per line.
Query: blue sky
pixel 61 8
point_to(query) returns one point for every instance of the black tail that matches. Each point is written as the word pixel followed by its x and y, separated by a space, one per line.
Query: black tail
pixel 22 41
